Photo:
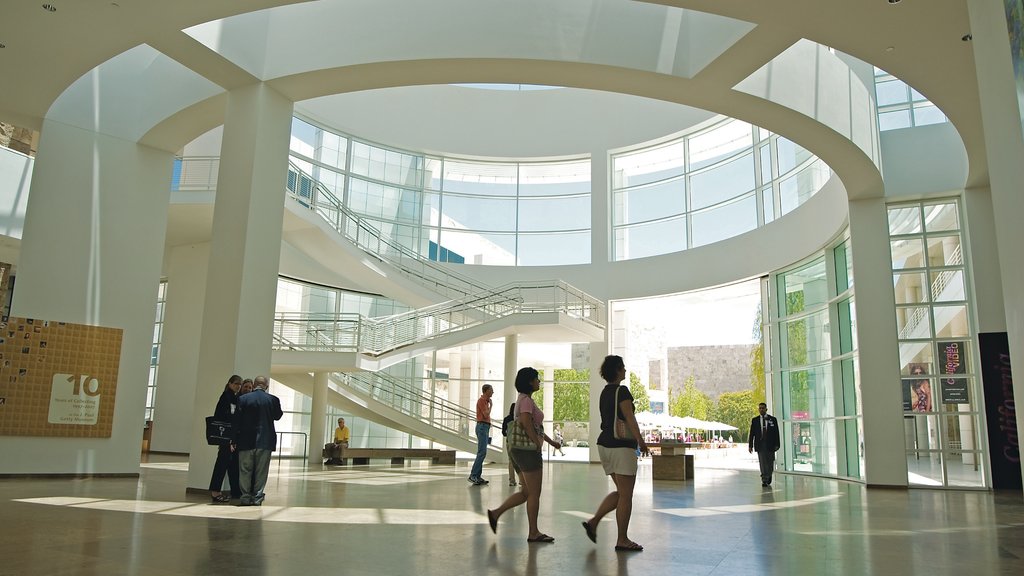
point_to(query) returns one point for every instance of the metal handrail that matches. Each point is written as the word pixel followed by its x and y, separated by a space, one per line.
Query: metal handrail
pixel 937 286
pixel 313 195
pixel 407 399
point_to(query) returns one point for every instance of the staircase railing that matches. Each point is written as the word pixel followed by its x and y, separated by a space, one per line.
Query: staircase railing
pixel 403 396
pixel 377 336
pixel 313 195
pixel 937 287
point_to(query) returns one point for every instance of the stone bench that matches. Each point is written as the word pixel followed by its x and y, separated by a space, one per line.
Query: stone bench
pixel 398 455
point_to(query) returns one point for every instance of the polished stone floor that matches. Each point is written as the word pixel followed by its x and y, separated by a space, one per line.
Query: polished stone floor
pixel 423 519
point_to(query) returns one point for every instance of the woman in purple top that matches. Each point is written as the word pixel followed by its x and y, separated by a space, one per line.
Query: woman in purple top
pixel 527 461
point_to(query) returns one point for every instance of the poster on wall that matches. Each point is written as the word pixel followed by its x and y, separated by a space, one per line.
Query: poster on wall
pixel 954 391
pixel 997 382
pixel 951 357
pixel 57 378
pixel 917 395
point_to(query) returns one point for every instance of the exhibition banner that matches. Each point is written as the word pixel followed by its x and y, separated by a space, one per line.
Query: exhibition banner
pixel 57 378
pixel 997 381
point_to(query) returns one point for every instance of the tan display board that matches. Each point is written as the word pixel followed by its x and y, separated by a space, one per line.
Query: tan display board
pixel 57 378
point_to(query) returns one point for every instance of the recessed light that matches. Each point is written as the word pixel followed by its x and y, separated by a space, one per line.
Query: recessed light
pixel 967 37
pixel 49 7
pixel 890 48
pixel 2 45
pixel 894 1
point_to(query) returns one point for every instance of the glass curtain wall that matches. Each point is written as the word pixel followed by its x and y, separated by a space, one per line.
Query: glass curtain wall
pixel 900 106
pixel 814 370
pixel 154 360
pixel 938 366
pixel 294 296
pixel 455 210
pixel 712 184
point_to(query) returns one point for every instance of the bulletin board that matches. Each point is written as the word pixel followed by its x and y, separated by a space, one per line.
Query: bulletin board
pixel 57 378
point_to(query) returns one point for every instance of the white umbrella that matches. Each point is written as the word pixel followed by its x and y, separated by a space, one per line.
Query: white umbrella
pixel 720 426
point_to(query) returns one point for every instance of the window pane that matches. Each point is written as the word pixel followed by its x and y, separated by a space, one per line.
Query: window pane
pixel 650 202
pixel 303 139
pixel 478 213
pixel 910 288
pixel 479 178
pixel 941 217
pixel 844 267
pixel 790 154
pixel 916 358
pixel 807 340
pixel 847 327
pixel 766 163
pixel 719 143
pixel 796 189
pixel 944 251
pixel 891 92
pixel 725 221
pixel 551 214
pixel 552 179
pixel 721 183
pixel 814 447
pixel 768 204
pixel 951 322
pixel 333 149
pixel 805 287
pixel 907 253
pixel 924 469
pixel 663 237
pixel 648 165
pixel 480 247
pixel 554 249
pixel 904 220
pixel 893 120
pixel 948 285
pixel 928 114
pixel 913 322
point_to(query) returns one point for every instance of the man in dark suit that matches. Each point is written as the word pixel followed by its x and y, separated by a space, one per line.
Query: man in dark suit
pixel 256 439
pixel 764 437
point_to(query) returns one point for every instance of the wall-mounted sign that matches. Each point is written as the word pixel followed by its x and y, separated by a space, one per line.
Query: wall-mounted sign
pixel 57 378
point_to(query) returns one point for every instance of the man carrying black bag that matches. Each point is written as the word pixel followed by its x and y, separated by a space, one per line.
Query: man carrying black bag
pixel 227 458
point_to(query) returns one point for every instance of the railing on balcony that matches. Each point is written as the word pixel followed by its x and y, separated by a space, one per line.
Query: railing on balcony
pixel 377 336
pixel 938 286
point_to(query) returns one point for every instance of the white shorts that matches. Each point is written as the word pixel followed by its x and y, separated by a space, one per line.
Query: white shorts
pixel 620 461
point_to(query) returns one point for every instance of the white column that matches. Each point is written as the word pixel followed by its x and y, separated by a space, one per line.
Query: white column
pixel 600 207
pixel 185 268
pixel 511 367
pixel 885 461
pixel 318 426
pixel 1004 146
pixel 90 254
pixel 549 401
pixel 241 285
pixel 598 351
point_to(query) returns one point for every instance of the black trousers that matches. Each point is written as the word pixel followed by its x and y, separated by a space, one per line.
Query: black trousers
pixel 227 462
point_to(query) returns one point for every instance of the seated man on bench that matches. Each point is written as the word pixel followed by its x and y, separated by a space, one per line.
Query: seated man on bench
pixel 332 451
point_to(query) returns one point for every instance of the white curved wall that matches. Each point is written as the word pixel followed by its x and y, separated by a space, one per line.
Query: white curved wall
pixel 475 122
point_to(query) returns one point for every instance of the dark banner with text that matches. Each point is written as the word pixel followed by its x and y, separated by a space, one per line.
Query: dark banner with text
pixel 997 380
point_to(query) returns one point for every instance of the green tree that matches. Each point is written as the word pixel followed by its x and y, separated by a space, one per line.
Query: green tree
pixel 736 409
pixel 757 381
pixel 571 395
pixel 689 402
pixel 641 400
pixel 796 383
